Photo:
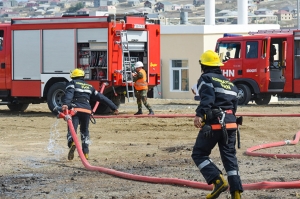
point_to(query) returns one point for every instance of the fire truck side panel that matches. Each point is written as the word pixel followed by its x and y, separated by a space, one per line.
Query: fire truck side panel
pixel 135 20
pixel 5 64
pixel 296 86
pixel 92 35
pixel 29 88
pixel 58 51
pixel 114 55
pixel 26 55
pixel 154 55
pixel 59 23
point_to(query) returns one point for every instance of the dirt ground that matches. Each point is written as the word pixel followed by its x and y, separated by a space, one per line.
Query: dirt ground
pixel 34 153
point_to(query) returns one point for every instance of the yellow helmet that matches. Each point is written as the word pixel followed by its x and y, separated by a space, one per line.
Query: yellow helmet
pixel 77 73
pixel 210 58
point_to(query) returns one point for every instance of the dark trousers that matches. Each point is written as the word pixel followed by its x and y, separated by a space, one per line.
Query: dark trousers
pixel 202 149
pixel 83 119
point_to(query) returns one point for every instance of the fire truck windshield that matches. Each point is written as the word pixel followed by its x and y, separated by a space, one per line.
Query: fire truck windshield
pixel 228 51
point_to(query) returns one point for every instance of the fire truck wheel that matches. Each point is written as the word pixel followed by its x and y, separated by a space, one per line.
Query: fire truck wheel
pixel 55 95
pixel 263 100
pixel 18 107
pixel 244 94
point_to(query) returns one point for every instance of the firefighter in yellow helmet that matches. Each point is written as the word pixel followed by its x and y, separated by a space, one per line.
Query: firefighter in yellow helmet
pixel 77 95
pixel 141 88
pixel 215 117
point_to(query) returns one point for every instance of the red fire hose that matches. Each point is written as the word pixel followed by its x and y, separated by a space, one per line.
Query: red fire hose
pixel 191 115
pixel 67 115
pixel 97 103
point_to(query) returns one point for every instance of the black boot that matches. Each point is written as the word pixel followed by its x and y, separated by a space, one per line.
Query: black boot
pixel 151 112
pixel 236 195
pixel 72 148
pixel 220 185
pixel 139 112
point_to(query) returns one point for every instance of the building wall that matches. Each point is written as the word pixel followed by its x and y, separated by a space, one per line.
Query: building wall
pixel 186 47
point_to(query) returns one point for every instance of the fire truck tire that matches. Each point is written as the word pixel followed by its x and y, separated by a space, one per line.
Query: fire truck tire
pixel 18 107
pixel 263 100
pixel 55 95
pixel 244 94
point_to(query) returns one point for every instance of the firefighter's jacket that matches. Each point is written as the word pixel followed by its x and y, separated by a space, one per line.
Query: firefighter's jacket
pixel 216 91
pixel 141 81
pixel 78 94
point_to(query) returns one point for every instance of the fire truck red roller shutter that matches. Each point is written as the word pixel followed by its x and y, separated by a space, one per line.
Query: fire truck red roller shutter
pixel 26 88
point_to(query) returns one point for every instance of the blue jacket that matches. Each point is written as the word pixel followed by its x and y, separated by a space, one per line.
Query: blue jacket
pixel 78 94
pixel 216 91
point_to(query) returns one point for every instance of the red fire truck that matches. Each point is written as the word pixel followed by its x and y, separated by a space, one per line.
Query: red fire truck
pixel 262 64
pixel 37 55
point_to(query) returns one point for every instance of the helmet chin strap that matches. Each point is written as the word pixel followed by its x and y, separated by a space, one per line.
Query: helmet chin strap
pixel 203 68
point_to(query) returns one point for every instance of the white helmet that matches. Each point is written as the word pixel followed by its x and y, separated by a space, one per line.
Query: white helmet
pixel 138 64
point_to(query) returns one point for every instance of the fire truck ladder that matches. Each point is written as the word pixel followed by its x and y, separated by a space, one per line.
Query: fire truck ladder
pixel 127 71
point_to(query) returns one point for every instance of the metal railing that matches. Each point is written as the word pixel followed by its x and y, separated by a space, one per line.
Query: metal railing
pixel 229 19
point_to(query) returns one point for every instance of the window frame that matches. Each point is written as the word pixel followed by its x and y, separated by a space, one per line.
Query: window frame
pixel 180 69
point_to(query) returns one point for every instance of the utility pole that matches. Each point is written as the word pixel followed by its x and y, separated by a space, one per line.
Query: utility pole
pixel 298 14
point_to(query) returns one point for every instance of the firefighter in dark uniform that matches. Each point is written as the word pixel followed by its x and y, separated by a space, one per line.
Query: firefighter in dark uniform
pixel 77 96
pixel 215 116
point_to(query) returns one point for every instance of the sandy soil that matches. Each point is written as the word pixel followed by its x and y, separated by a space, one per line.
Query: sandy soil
pixel 34 153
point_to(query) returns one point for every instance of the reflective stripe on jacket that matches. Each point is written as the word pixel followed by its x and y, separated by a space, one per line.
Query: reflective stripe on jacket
pixel 83 110
pixel 228 126
pixel 141 84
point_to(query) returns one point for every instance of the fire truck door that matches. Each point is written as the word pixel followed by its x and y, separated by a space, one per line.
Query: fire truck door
pixel 296 64
pixel 3 67
pixel 277 58
pixel 253 60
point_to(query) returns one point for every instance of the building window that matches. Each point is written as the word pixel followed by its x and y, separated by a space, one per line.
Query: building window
pixel 180 74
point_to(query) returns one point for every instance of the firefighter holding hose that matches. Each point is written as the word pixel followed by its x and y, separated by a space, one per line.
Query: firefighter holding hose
pixel 77 96
pixel 215 117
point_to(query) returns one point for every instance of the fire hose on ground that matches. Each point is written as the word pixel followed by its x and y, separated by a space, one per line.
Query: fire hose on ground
pixel 67 115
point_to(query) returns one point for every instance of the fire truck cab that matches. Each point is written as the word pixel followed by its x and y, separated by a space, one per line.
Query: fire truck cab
pixel 262 64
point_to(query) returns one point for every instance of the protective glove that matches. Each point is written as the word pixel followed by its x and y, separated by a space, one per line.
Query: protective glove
pixel 207 132
pixel 116 112
pixel 64 107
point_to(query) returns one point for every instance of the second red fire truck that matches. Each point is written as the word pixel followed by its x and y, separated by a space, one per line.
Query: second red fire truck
pixel 262 64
